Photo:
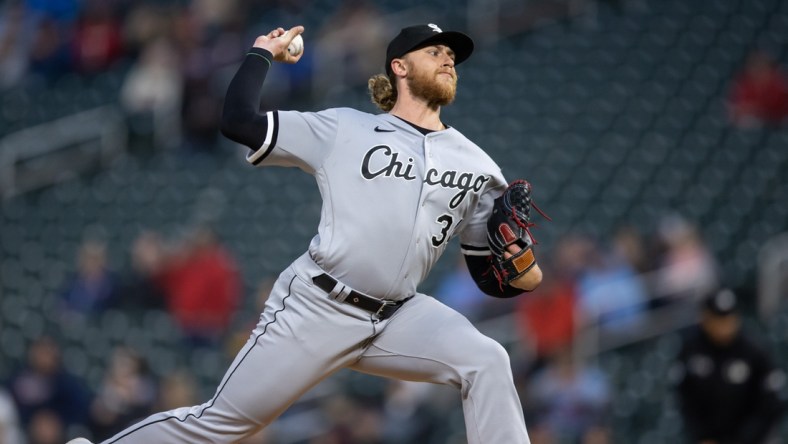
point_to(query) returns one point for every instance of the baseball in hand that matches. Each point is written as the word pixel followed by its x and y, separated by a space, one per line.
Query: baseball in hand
pixel 296 46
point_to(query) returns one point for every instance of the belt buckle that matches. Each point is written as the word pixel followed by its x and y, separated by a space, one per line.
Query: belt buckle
pixel 384 304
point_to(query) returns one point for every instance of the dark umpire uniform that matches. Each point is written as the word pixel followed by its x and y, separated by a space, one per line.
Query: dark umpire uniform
pixel 728 386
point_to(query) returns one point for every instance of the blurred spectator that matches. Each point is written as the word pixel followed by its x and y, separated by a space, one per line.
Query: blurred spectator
pixel 138 290
pixel 201 99
pixel 126 394
pixel 177 389
pixel 457 289
pixel 352 422
pixel 97 41
pixel 759 95
pixel 686 268
pixel 50 54
pixel 609 291
pixel 349 46
pixel 10 430
pixel 629 246
pixel 94 286
pixel 409 414
pixel 546 317
pixel 143 24
pixel 62 11
pixel 569 255
pixel 728 386
pixel 215 15
pixel 42 384
pixel 202 286
pixel 568 401
pixel 46 427
pixel 16 26
pixel 151 94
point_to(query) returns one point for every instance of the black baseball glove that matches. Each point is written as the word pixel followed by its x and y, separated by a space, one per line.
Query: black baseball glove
pixel 509 224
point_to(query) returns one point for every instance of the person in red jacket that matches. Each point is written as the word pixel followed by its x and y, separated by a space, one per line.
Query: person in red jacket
pixel 546 320
pixel 760 93
pixel 202 286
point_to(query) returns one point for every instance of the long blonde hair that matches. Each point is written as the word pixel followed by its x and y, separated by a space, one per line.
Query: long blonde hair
pixel 382 92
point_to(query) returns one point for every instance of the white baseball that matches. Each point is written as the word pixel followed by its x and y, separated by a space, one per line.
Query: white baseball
pixel 296 46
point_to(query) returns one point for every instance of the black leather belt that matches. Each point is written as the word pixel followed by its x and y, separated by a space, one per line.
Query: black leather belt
pixel 382 309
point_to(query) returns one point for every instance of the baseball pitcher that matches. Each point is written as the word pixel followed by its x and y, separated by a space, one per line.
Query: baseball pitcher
pixel 396 188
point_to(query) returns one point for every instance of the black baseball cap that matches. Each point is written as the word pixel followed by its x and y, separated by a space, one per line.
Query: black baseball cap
pixel 721 302
pixel 419 36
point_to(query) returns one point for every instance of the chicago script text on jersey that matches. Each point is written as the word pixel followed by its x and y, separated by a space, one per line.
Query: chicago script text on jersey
pixel 381 160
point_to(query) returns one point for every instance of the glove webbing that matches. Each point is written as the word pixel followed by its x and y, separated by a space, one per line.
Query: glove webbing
pixel 528 225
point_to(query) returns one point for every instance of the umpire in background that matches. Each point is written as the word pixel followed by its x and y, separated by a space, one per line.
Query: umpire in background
pixel 728 386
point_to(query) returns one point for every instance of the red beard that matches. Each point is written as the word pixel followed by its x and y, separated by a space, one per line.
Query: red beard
pixel 426 85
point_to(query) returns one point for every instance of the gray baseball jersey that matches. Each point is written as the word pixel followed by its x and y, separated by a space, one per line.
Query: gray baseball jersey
pixel 392 200
pixel 387 189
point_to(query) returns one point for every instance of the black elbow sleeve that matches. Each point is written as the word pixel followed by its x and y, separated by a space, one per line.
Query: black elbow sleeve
pixel 241 119
pixel 246 130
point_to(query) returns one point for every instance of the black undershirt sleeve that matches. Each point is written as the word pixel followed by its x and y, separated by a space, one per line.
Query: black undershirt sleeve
pixel 480 269
pixel 242 120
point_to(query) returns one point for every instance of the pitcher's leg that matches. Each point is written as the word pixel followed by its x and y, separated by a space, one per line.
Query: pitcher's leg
pixel 301 339
pixel 428 341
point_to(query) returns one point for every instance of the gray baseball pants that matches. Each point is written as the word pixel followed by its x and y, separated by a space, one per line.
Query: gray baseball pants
pixel 304 336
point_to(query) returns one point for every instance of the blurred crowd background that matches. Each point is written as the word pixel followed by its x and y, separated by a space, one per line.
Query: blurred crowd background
pixel 137 246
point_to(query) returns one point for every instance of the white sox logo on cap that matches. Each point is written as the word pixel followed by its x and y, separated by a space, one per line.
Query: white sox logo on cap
pixel 417 36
